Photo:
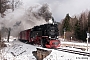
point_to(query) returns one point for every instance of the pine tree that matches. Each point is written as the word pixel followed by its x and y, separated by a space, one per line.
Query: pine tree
pixel 66 24
pixel 77 30
pixel 81 28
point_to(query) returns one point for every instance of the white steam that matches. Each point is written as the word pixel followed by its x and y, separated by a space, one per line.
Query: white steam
pixel 22 19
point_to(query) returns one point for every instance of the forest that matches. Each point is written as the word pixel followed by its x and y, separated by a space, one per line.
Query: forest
pixel 76 27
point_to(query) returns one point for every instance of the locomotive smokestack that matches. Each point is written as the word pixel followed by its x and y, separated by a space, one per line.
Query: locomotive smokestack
pixel 51 20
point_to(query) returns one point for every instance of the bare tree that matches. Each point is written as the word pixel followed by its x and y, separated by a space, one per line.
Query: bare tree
pixel 3 7
pixel 8 4
pixel 15 4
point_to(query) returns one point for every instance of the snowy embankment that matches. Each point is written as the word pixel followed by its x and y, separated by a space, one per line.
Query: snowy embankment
pixel 17 50
pixel 59 55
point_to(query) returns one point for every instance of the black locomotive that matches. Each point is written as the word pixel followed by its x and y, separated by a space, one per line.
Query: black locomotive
pixel 45 35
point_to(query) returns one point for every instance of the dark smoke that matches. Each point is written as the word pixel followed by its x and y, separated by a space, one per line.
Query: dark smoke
pixel 45 13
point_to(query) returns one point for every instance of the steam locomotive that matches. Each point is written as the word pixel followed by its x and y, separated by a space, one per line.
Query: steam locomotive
pixel 45 35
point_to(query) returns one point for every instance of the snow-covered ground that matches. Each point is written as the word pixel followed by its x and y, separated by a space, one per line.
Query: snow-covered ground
pixel 59 55
pixel 76 43
pixel 17 50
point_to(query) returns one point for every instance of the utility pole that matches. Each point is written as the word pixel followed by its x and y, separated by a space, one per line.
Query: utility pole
pixel 71 38
pixel 87 40
pixel 64 34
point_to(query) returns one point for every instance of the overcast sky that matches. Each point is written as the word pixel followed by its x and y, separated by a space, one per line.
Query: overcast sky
pixel 60 8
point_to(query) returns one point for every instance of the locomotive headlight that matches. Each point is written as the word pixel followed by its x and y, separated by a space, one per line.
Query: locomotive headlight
pixel 57 37
pixel 49 36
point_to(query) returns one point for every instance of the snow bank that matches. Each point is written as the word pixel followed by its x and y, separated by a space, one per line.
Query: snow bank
pixel 18 51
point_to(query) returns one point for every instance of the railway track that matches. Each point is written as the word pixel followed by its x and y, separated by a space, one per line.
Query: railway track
pixel 74 52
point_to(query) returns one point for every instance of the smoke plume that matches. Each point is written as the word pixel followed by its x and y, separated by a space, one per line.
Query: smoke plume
pixel 22 19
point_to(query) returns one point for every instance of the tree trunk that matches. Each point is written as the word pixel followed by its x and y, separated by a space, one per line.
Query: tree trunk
pixel 9 30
